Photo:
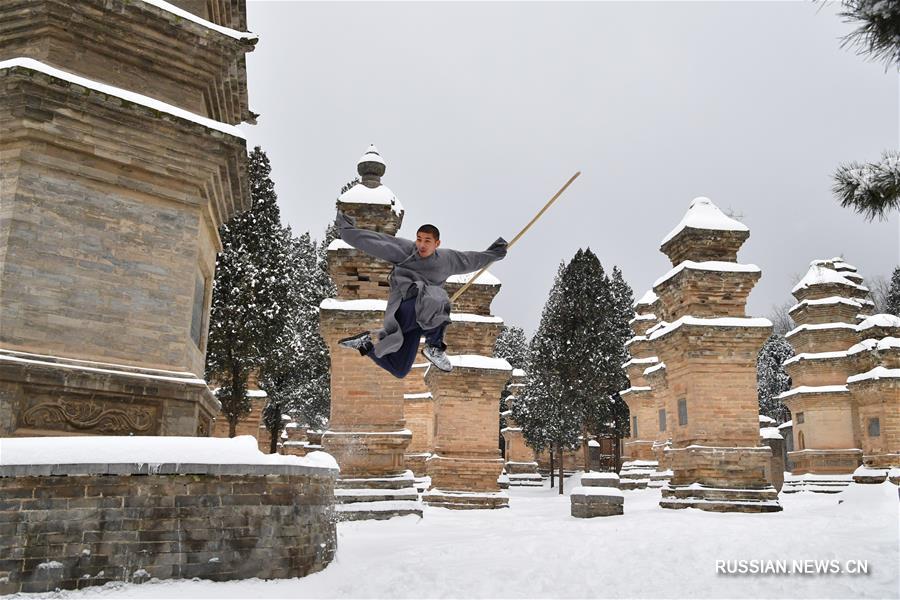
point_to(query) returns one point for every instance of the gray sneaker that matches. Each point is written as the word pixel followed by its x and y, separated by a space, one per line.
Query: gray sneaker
pixel 361 341
pixel 438 358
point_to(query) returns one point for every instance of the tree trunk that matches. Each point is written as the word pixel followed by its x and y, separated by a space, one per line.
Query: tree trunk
pixel 551 466
pixel 617 453
pixel 586 450
pixel 561 465
pixel 232 427
pixel 273 442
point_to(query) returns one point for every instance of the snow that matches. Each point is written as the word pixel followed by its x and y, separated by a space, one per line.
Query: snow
pixel 362 194
pixel 875 374
pixel 339 244
pixel 335 304
pixel 257 394
pixel 816 356
pixel 826 302
pixel 371 155
pixel 593 476
pixel 786 424
pixel 400 432
pixel 641 361
pixel 647 299
pixel 422 396
pixel 241 450
pixel 837 261
pixel 712 265
pixel 485 278
pixel 598 491
pixel 809 389
pixel 635 389
pixel 188 378
pixel 654 369
pixel 819 275
pixel 880 320
pixel 873 344
pixel 871 471
pixel 472 318
pixel 593 443
pixel 711 322
pixel 238 35
pixel 637 338
pixel 127 95
pixel 766 419
pixel 703 214
pixel 518 373
pixel 818 327
pixel 770 433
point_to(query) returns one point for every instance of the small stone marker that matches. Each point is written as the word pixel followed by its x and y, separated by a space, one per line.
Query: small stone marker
pixel 589 502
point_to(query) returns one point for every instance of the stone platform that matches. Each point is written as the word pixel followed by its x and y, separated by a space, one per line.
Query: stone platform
pixel 77 524
pixel 466 500
pixel 588 502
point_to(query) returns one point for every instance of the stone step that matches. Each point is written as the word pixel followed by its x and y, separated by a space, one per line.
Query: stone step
pixel 717 494
pixel 377 511
pixel 466 500
pixel 349 496
pixel 720 505
pixel 381 483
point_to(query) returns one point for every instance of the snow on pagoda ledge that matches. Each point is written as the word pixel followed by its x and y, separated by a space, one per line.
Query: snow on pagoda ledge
pixel 486 278
pixel 710 265
pixel 875 374
pixel 813 389
pixel 171 8
pixel 150 455
pixel 362 194
pixel 476 361
pixel 710 322
pixel 366 304
pixel 127 95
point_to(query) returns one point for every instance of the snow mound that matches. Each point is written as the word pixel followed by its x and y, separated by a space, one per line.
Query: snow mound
pixel 598 491
pixel 819 275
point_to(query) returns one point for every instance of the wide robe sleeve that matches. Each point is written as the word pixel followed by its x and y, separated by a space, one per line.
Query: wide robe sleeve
pixel 380 245
pixel 466 262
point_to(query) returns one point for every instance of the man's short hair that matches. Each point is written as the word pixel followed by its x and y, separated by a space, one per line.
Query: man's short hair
pixel 430 230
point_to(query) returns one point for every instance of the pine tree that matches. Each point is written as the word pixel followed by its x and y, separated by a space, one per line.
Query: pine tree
pixel 251 292
pixel 771 378
pixel 893 295
pixel 512 345
pixel 872 189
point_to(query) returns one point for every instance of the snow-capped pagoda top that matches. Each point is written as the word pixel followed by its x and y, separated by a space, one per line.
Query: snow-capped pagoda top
pixel 840 265
pixel 705 233
pixel 644 304
pixel 822 281
pixel 372 203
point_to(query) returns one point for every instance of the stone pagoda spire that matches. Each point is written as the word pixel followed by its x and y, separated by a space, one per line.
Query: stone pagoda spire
pixel 367 431
pixel 709 348
pixel 835 375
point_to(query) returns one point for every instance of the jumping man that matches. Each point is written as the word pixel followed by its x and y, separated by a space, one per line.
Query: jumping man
pixel 417 304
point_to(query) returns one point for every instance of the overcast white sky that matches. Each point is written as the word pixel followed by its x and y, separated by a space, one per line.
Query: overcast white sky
pixel 483 110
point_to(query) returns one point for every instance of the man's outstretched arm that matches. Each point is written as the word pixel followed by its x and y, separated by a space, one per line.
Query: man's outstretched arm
pixel 380 245
pixel 466 262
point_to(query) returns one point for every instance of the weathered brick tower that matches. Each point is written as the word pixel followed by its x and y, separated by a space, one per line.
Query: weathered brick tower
pixel 466 462
pixel 521 466
pixel 709 348
pixel 845 393
pixel 367 431
pixel 119 158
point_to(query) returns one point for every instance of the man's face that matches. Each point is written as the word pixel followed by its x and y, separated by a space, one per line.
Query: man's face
pixel 426 244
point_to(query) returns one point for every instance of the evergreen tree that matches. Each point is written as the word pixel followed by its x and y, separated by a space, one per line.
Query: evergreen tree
pixel 893 295
pixel 872 189
pixel 771 378
pixel 512 345
pixel 251 292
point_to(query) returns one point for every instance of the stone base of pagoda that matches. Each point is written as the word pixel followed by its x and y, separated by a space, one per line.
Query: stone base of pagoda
pixel 465 482
pixel 720 479
pixel 376 498
pixel 841 461
pixel 368 454
pixel 523 474
pixel 637 450
pixel 659 478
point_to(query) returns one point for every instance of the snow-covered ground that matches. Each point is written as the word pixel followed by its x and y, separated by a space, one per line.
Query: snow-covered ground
pixel 535 549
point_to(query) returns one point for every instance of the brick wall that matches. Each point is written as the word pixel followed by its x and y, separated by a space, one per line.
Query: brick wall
pixel 217 522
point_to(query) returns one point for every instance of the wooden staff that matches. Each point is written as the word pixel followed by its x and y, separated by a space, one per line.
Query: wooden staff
pixel 460 291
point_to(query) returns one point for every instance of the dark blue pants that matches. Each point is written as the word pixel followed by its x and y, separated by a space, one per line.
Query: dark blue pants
pixel 400 363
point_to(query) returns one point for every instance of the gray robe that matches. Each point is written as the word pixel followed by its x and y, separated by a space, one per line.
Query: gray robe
pixel 411 270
